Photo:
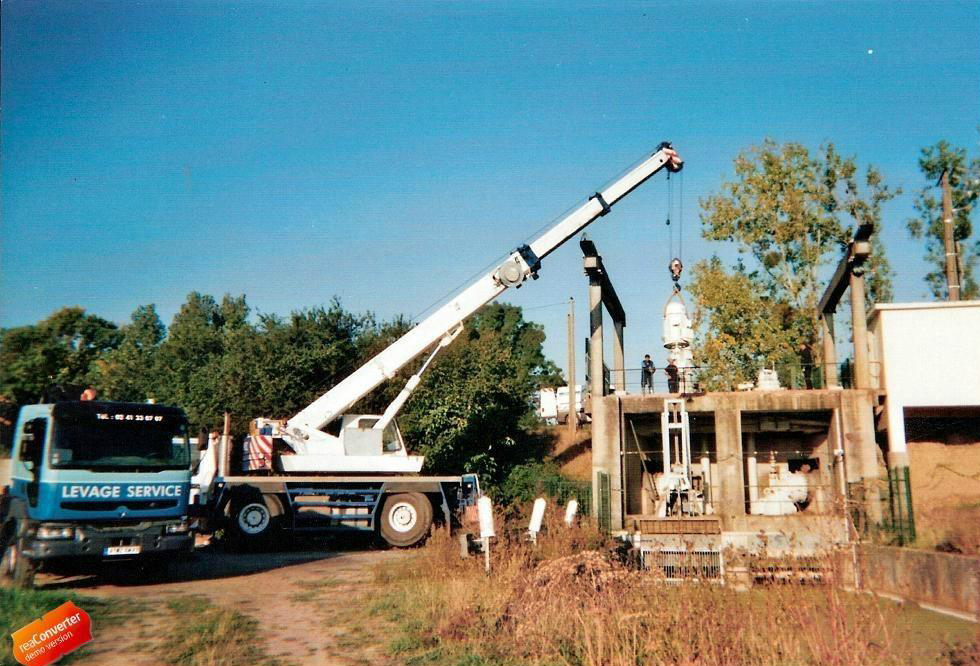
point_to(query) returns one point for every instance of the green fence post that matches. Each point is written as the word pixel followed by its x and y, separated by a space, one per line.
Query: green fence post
pixel 605 505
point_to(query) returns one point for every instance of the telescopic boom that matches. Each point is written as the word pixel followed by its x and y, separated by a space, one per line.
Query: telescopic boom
pixel 523 263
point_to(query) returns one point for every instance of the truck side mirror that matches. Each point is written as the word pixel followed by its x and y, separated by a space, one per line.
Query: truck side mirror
pixel 32 442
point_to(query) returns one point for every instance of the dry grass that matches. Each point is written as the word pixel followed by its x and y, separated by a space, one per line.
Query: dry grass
pixel 570 601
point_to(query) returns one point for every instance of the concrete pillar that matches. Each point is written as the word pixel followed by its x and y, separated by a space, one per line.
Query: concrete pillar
pixel 859 324
pixel 829 351
pixel 751 468
pixel 595 340
pixel 728 444
pixel 572 403
pixel 857 437
pixel 606 449
pixel 619 366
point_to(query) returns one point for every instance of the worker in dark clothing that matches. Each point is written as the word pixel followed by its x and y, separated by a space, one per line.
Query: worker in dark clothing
pixel 646 375
pixel 673 377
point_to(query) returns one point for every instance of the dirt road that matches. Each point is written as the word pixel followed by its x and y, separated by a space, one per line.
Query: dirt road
pixel 307 603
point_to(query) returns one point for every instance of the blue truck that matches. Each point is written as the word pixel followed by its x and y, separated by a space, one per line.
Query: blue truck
pixel 94 480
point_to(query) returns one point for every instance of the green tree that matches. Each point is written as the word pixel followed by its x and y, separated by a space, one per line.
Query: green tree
pixel 467 413
pixel 59 350
pixel 743 326
pixel 188 368
pixel 280 366
pixel 964 182
pixel 790 213
pixel 128 372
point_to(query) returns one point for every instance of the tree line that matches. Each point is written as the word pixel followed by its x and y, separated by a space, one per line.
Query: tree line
pixel 471 412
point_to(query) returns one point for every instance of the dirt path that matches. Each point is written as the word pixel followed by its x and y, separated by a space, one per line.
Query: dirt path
pixel 305 601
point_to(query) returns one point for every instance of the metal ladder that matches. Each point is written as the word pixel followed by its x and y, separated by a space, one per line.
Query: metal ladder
pixel 675 432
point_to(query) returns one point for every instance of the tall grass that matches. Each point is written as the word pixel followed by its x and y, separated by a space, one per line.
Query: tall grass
pixel 570 601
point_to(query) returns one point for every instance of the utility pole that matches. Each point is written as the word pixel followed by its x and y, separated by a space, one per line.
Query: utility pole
pixel 572 402
pixel 952 276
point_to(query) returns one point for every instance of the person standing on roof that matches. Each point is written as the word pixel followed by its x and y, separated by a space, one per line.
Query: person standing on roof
pixel 646 375
pixel 673 378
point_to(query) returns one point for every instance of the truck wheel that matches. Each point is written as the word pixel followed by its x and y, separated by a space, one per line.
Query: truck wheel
pixel 405 519
pixel 252 521
pixel 17 569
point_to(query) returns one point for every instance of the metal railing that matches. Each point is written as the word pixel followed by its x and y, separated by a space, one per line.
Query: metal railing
pixel 791 376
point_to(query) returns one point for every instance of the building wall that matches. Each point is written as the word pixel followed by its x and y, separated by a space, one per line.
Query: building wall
pixel 926 355
pixel 929 353
pixel 850 428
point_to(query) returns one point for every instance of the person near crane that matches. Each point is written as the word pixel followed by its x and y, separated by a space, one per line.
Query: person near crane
pixel 673 376
pixel 647 369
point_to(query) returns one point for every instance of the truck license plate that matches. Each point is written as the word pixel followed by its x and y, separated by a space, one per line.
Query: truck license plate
pixel 122 550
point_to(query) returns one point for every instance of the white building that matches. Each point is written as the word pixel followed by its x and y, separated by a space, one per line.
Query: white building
pixel 926 357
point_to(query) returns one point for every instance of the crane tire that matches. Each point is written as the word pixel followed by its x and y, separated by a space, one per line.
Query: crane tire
pixel 254 521
pixel 405 519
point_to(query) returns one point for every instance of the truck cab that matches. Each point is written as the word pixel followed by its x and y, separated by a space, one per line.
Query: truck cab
pixel 97 480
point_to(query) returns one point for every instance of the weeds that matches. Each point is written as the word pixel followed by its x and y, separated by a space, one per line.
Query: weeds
pixel 571 601
pixel 211 636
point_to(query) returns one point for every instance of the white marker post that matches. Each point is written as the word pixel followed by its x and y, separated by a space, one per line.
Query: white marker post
pixel 484 509
pixel 537 516
pixel 571 509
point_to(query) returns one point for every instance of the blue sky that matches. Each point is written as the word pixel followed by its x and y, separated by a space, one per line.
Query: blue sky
pixel 385 153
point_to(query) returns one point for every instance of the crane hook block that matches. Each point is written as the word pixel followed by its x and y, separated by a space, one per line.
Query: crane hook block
pixel 675 267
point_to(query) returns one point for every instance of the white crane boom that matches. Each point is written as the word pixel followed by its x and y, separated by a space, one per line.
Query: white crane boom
pixel 521 264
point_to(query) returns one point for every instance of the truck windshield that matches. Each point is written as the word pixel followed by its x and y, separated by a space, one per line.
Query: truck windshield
pixel 120 441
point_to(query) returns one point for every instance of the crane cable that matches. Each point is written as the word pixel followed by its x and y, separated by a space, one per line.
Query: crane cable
pixel 670 207
pixel 680 220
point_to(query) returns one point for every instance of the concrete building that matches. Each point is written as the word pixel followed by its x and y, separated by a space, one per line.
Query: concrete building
pixel 745 445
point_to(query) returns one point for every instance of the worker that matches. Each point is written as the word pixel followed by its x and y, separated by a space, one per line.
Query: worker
pixel 646 375
pixel 673 378
pixel 89 394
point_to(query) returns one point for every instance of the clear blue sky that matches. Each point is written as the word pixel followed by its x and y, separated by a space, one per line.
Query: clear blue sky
pixel 384 153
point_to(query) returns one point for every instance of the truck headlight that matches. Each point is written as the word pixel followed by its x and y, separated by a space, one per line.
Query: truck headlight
pixel 177 528
pixel 55 532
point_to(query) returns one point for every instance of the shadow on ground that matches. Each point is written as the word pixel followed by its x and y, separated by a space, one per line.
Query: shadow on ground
pixel 209 562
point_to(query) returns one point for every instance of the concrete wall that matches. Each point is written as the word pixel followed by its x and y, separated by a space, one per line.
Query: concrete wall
pixel 939 579
pixel 851 428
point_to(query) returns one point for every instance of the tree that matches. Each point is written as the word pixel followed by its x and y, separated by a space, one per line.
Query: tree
pixel 791 213
pixel 467 413
pixel 743 326
pixel 964 183
pixel 128 372
pixel 59 350
pixel 279 367
pixel 188 368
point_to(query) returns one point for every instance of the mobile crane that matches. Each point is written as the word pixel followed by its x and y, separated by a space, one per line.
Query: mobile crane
pixel 360 476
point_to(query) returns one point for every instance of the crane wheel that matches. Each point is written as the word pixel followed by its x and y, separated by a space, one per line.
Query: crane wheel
pixel 253 521
pixel 405 519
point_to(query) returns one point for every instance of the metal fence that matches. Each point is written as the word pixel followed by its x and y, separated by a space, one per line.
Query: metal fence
pixel 893 494
pixel 898 520
pixel 563 490
pixel 677 565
